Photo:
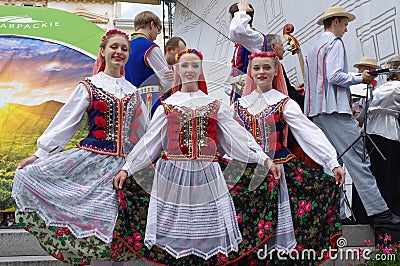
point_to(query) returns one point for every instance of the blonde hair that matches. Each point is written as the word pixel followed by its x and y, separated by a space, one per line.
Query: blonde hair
pixel 144 18
pixel 272 55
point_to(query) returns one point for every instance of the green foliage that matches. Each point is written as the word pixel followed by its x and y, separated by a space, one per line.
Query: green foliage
pixel 13 151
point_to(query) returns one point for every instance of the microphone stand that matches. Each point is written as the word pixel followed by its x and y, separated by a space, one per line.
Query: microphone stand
pixel 364 135
pixel 364 155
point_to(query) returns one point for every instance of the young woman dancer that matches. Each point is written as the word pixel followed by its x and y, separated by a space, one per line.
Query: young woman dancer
pixel 308 214
pixel 67 199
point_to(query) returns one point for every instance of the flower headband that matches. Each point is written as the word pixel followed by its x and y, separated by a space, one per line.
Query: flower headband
pixel 115 31
pixel 189 51
pixel 263 54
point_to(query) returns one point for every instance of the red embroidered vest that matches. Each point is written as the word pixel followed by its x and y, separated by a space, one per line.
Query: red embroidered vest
pixel 267 129
pixel 191 134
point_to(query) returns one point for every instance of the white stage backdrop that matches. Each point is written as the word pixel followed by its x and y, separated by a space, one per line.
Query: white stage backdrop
pixel 204 24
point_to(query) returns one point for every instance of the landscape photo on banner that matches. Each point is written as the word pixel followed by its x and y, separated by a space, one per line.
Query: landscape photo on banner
pixel 43 58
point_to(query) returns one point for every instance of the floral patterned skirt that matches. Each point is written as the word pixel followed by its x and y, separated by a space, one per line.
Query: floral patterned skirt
pixel 73 191
pixel 256 210
pixel 314 204
pixel 64 246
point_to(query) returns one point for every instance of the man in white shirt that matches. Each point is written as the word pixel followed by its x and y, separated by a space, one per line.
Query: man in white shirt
pixel 239 12
pixel 241 32
pixel 369 64
pixel 327 103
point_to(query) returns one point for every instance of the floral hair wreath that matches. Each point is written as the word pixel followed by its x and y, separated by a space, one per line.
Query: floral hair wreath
pixel 263 54
pixel 189 51
pixel 99 65
pixel 113 32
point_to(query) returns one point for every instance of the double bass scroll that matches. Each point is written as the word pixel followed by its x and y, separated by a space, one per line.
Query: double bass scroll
pixel 294 45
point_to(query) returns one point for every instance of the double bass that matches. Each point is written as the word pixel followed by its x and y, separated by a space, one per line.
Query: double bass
pixel 294 48
pixel 294 45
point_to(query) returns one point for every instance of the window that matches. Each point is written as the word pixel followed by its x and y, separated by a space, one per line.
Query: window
pixel 31 4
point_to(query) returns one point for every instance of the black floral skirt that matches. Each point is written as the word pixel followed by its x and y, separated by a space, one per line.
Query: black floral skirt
pixel 314 204
pixel 256 210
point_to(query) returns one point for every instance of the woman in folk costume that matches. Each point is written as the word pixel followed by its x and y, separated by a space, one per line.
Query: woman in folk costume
pixel 191 218
pixel 308 213
pixel 67 199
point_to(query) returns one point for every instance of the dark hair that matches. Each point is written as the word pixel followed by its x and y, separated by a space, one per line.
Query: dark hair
pixel 234 8
pixel 328 22
pixel 174 43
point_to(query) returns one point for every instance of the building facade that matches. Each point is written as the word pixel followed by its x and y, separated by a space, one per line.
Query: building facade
pixel 104 13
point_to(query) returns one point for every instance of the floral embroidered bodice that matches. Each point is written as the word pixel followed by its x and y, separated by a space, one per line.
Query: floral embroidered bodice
pixel 191 133
pixel 111 122
pixel 267 128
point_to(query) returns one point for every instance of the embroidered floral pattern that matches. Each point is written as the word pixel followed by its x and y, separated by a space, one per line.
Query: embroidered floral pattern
pixel 100 121
pixel 101 106
pixel 134 126
pixel 253 209
pixel 267 128
pixel 99 134
pixel 192 134
pixel 108 117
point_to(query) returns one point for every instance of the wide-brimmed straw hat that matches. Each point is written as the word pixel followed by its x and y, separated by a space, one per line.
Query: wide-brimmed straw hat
pixel 368 62
pixel 393 63
pixel 335 11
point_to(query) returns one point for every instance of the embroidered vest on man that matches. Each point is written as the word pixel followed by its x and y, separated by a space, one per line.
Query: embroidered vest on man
pixel 111 122
pixel 191 134
pixel 267 129
pixel 240 58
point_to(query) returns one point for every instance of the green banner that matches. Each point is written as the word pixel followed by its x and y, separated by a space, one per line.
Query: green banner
pixel 44 53
pixel 51 24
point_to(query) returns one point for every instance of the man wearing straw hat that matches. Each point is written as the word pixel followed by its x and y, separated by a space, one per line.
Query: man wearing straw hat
pixel 369 64
pixel 327 102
